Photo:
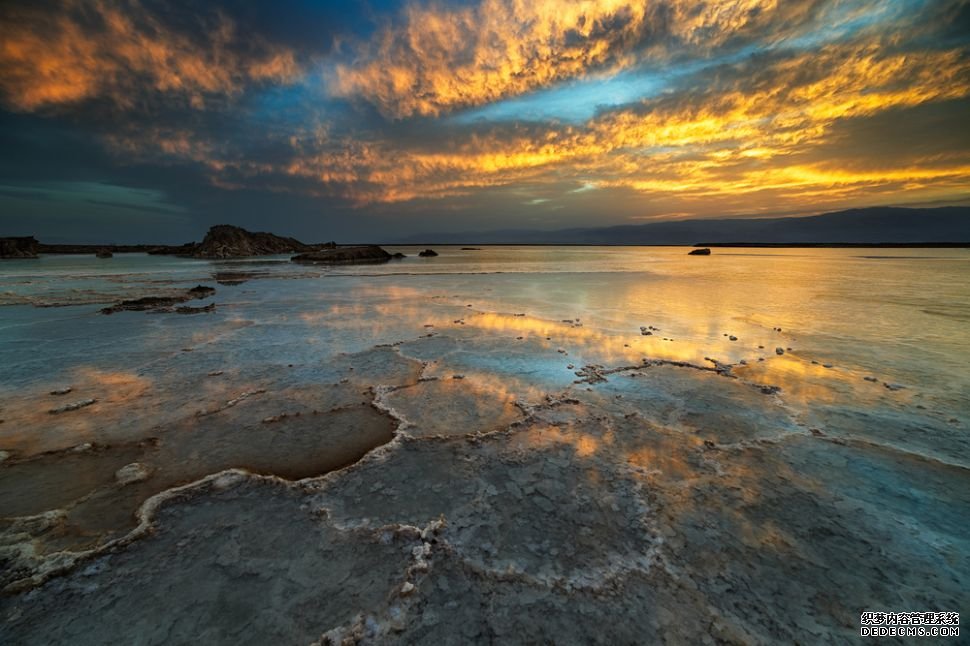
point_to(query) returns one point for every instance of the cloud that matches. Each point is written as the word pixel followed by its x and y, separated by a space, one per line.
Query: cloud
pixel 437 58
pixel 120 52
pixel 713 107
pixel 752 130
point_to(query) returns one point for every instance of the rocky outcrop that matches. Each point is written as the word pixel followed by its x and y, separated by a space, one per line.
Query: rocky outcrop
pixel 700 252
pixel 344 256
pixel 428 253
pixel 26 247
pixel 164 303
pixel 227 241
pixel 103 253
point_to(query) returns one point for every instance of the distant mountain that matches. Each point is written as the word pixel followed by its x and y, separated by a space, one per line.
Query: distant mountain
pixel 876 225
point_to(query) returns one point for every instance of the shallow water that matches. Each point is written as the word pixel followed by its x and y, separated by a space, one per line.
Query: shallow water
pixel 580 468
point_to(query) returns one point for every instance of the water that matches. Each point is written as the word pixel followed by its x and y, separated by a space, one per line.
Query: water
pixel 510 392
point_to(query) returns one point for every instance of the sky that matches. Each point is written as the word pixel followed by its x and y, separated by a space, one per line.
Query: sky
pixel 146 120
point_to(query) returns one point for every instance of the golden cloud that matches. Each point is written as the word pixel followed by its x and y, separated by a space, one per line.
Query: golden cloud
pixel 442 58
pixel 744 135
pixel 115 49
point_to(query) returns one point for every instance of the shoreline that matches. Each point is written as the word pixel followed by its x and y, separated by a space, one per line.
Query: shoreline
pixel 81 250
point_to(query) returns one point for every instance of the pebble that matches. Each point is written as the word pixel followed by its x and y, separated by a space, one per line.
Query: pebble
pixel 61 391
pixel 73 406
pixel 872 379
pixel 131 473
pixel 779 351
pixel 732 338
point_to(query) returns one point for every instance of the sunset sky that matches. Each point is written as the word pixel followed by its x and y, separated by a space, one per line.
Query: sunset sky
pixel 127 121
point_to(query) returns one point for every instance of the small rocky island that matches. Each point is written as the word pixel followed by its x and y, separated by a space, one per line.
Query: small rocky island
pixel 344 255
pixel 227 241
pixel 25 247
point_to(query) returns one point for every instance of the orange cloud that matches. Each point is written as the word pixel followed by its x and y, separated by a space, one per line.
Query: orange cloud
pixel 439 58
pixel 734 141
pixel 741 136
pixel 446 57
pixel 113 49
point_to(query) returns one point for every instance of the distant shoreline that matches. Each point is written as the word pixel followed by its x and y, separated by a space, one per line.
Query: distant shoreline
pixel 74 249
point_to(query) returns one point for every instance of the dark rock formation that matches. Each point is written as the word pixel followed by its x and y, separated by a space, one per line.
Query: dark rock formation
pixel 700 252
pixel 428 253
pixel 344 256
pixel 162 303
pixel 26 247
pixel 222 241
pixel 227 241
pixel 398 256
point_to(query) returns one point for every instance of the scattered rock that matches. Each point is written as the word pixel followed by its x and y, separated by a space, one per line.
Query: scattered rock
pixel 62 391
pixel 770 390
pixel 816 432
pixel 344 256
pixel 398 256
pixel 699 252
pixel 871 379
pixel 732 338
pixel 25 247
pixel 779 351
pixel 132 473
pixel 470 249
pixel 893 386
pixel 428 253
pixel 72 406
pixel 160 303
